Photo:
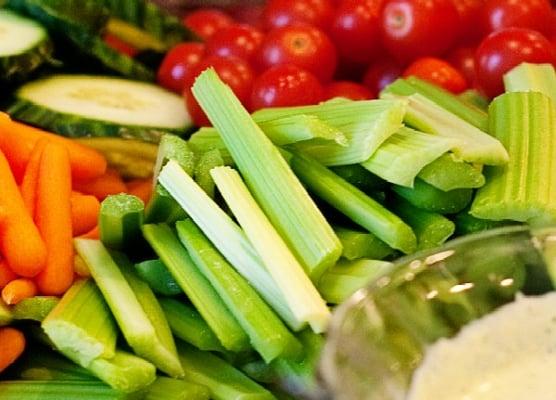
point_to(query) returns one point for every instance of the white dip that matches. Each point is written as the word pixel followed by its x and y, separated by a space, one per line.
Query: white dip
pixel 509 354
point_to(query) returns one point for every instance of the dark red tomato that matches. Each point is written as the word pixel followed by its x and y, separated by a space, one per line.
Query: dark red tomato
pixel 416 28
pixel 236 40
pixel 502 50
pixel 119 45
pixel 232 70
pixel 469 11
pixel 177 63
pixel 381 74
pixel 355 30
pixel 301 45
pixel 205 22
pixel 347 89
pixel 279 13
pixel 463 59
pixel 248 14
pixel 437 71
pixel 532 14
pixel 285 85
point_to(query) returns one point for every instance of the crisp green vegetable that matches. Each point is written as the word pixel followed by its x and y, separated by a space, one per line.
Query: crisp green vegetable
pixel 475 98
pixel 162 207
pixel 34 308
pixel 6 316
pixel 357 244
pixel 176 389
pixel 448 173
pixel 207 139
pixel 429 198
pixel 120 220
pixel 299 128
pixel 532 77
pixel 467 224
pixel 207 161
pixel 172 147
pixel 157 276
pixel 359 177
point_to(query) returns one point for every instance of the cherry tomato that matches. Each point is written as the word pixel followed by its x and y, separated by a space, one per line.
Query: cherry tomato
pixel 205 22
pixel 381 74
pixel 236 40
pixel 347 89
pixel 463 59
pixel 355 30
pixel 119 45
pixel 437 71
pixel 301 45
pixel 502 50
pixel 416 28
pixel 251 14
pixel 469 11
pixel 279 13
pixel 177 63
pixel 232 70
pixel 532 14
pixel 285 85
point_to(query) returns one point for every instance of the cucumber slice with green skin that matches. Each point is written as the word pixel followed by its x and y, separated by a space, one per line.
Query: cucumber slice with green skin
pixel 85 105
pixel 24 45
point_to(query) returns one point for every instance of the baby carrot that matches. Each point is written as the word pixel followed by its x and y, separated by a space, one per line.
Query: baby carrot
pixel 84 212
pixel 141 188
pixel 6 274
pixel 20 241
pixel 103 186
pixel 18 289
pixel 12 344
pixel 30 176
pixel 53 218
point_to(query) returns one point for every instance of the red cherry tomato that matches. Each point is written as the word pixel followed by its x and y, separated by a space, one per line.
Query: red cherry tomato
pixel 347 89
pixel 285 85
pixel 119 45
pixel 437 71
pixel 463 59
pixel 381 74
pixel 248 14
pixel 416 28
pixel 355 30
pixel 469 11
pixel 279 13
pixel 502 50
pixel 301 45
pixel 236 40
pixel 232 70
pixel 177 63
pixel 532 14
pixel 205 22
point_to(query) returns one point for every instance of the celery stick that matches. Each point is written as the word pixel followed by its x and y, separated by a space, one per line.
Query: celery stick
pixel 157 276
pixel 532 77
pixel 359 207
pixel 429 198
pixel 197 288
pixel 359 177
pixel 359 244
pixel 82 324
pixel 474 98
pixel 188 325
pixel 297 128
pixel 6 316
pixel 448 173
pixel 400 158
pixel 120 220
pixel 207 161
pixel 227 236
pixel 430 228
pixel 525 190
pixel 172 147
pixel 176 389
pixel 162 207
pixel 346 277
pixel 34 308
pixel 466 223
pixel 267 334
pixel 223 380
pixel 130 315
pixel 208 138
pixel 268 176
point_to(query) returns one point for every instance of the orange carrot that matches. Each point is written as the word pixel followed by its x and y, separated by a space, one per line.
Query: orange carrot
pixel 84 212
pixel 17 141
pixel 18 289
pixel 30 176
pixel 20 241
pixel 92 234
pixel 6 274
pixel 142 188
pixel 103 186
pixel 12 344
pixel 53 218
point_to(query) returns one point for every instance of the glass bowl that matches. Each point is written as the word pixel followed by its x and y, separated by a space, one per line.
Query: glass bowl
pixel 377 338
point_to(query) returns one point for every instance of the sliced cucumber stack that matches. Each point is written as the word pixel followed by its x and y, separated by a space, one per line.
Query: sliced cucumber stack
pixel 24 45
pixel 84 105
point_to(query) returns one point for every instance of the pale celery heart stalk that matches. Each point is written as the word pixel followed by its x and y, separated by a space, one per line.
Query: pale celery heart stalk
pixel 532 77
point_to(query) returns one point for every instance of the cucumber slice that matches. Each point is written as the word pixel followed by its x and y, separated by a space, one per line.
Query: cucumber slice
pixel 85 105
pixel 24 45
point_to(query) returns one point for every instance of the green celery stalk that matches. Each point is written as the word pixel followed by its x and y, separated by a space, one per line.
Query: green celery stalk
pixel 120 220
pixel 187 324
pixel 474 98
pixel 6 316
pixel 359 177
pixel 448 173
pixel 347 277
pixel 298 290
pixel 357 244
pixel 227 236
pixel 162 207
pixel 429 198
pixel 404 154
pixel 207 161
pixel 197 288
pixel 172 147
pixel 223 380
pixel 359 207
pixel 157 276
pixel 525 190
pixel 268 176
pixel 466 223
pixel 532 77
pixel 176 389
pixel 34 308
pixel 81 323
pixel 133 315
pixel 267 334
pixel 207 139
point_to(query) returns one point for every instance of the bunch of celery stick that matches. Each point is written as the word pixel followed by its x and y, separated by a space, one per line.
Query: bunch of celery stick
pixel 222 285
